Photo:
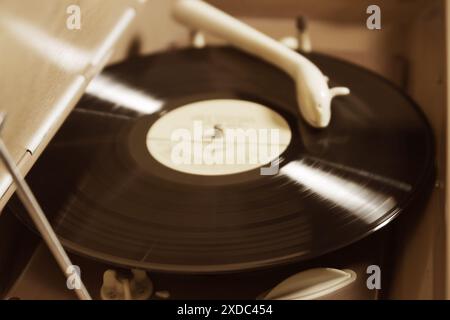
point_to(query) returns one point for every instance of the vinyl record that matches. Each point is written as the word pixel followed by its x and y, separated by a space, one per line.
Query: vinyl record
pixel 111 193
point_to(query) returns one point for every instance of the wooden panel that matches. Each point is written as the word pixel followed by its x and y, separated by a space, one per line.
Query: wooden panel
pixel 447 149
pixel 155 30
pixel 421 267
pixel 45 67
pixel 393 11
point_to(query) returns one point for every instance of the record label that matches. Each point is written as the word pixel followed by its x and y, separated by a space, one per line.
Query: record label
pixel 218 137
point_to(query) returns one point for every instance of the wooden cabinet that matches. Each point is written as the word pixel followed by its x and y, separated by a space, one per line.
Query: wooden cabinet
pixel 45 67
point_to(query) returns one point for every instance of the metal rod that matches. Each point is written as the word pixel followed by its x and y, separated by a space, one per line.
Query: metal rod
pixel 39 218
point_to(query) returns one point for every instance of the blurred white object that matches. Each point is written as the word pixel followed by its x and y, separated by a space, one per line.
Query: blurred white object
pixel 313 95
pixel 311 284
pixel 198 39
pixel 290 42
pixel 139 287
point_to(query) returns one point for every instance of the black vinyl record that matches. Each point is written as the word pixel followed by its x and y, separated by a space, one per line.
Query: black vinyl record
pixel 109 199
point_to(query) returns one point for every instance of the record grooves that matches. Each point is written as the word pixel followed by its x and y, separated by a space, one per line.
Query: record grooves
pixel 108 198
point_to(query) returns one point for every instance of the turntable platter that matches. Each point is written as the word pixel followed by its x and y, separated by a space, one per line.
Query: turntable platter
pixel 109 192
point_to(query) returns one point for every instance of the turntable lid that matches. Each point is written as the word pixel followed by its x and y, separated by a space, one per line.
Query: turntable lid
pixel 46 67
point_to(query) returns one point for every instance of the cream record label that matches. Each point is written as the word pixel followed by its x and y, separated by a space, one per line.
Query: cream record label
pixel 218 137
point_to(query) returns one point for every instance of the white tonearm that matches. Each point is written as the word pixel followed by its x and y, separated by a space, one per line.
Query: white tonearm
pixel 313 94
